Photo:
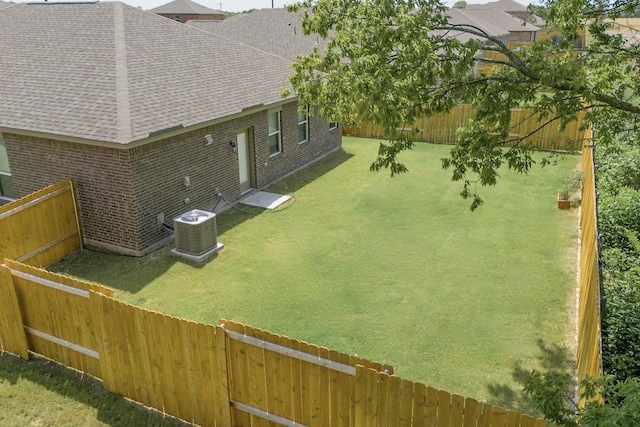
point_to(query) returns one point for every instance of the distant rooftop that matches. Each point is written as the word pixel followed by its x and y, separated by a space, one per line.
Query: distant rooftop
pixel 276 31
pixel 503 5
pixel 184 7
pixel 494 22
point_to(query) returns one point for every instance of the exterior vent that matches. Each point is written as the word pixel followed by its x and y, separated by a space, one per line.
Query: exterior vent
pixel 196 235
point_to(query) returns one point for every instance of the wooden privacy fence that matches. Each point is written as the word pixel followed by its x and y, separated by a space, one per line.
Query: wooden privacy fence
pixel 442 128
pixel 217 375
pixel 589 352
pixel 42 227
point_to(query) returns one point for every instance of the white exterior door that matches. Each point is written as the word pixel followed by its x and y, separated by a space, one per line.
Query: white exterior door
pixel 244 165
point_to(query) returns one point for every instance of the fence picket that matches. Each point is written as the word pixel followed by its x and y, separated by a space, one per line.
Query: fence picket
pixel 406 404
pixel 470 412
pixel 371 399
pixel 444 408
pixel 256 376
pixel 457 410
pixel 382 401
pixel 324 391
pixel 360 396
pixel 484 415
pixel 513 419
pixel 498 417
pixel 12 335
pixel 421 417
pixel 395 400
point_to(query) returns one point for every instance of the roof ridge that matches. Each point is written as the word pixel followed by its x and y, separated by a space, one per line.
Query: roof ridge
pixel 123 106
pixel 190 4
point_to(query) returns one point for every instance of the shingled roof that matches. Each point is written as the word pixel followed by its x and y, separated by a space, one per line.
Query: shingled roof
pixel 184 7
pixel 272 30
pixel 504 5
pixel 4 4
pixel 494 22
pixel 109 72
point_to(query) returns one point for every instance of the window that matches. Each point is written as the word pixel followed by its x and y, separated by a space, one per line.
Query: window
pixel 6 183
pixel 176 18
pixel 303 126
pixel 333 125
pixel 275 139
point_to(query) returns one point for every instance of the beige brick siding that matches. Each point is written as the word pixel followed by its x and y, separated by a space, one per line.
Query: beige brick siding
pixel 193 17
pixel 122 191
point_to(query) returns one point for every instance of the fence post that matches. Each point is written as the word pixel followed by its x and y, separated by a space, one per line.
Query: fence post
pixel 12 336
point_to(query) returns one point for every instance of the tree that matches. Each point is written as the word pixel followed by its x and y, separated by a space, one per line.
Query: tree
pixel 391 61
pixel 461 4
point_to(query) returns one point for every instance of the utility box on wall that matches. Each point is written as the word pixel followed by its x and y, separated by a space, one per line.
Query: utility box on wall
pixel 196 236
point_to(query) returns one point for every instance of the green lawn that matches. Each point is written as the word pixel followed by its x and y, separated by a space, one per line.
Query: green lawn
pixel 396 270
pixel 42 393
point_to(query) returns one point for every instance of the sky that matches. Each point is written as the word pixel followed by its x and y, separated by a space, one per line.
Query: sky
pixel 241 5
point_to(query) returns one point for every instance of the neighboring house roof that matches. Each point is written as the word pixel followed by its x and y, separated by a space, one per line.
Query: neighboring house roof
pixel 494 22
pixel 459 17
pixel 272 30
pixel 184 7
pixel 511 7
pixel 504 5
pixel 112 73
pixel 4 4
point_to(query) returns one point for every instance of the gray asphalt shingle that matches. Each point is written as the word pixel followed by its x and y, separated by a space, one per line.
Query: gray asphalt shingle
pixel 110 72
pixel 275 31
pixel 186 7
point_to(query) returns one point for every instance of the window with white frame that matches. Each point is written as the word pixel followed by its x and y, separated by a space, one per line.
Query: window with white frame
pixel 275 134
pixel 333 125
pixel 6 182
pixel 303 126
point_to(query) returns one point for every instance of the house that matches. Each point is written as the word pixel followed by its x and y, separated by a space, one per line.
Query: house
pixel 151 117
pixel 627 28
pixel 4 4
pixel 513 8
pixel 185 10
pixel 276 31
pixel 511 30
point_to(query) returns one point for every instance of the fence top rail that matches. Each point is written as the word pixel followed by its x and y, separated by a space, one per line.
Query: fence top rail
pixel 49 283
pixel 37 196
pixel 286 351
pixel 33 202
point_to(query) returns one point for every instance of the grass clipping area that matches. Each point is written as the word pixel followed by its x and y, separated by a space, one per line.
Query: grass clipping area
pixel 396 270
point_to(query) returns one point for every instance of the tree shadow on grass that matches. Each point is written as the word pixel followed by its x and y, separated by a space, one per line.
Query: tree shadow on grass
pixel 112 409
pixel 552 357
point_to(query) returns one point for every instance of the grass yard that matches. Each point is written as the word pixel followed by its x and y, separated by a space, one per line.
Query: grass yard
pixel 396 270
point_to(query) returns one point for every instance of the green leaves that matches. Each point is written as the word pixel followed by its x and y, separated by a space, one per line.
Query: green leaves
pixel 392 61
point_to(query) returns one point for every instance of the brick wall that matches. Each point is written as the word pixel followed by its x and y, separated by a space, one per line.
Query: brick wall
pixel 293 155
pixel 521 36
pixel 103 177
pixel 123 192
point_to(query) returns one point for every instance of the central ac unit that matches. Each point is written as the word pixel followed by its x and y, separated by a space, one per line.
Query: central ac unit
pixel 195 233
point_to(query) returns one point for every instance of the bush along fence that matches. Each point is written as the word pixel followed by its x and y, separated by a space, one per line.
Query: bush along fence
pixel 442 128
pixel 589 352
pixel 216 375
